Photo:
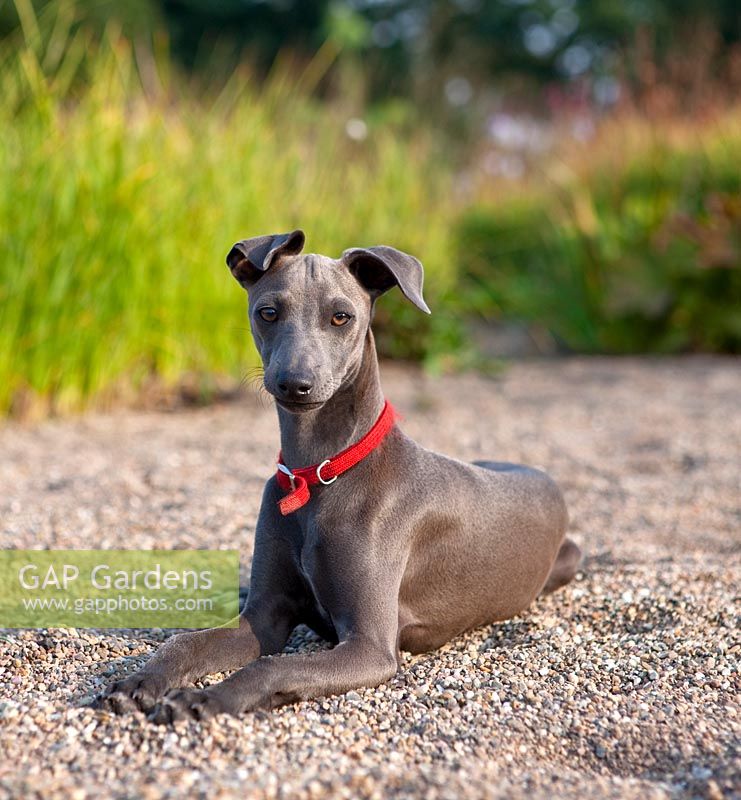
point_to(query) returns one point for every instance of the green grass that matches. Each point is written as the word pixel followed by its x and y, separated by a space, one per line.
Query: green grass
pixel 118 204
pixel 122 187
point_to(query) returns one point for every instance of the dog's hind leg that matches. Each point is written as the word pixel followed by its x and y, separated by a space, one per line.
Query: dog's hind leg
pixel 564 567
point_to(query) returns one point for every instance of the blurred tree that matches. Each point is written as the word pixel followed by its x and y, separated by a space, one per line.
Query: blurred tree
pixel 259 29
pixel 433 50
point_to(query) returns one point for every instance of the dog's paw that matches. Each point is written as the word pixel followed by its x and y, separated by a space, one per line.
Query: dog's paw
pixel 183 704
pixel 138 692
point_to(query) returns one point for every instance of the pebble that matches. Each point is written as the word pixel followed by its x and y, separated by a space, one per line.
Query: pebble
pixel 623 684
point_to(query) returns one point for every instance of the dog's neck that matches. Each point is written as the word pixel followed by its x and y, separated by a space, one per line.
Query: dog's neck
pixel 314 436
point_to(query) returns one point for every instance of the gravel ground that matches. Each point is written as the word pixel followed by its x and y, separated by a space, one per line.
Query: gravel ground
pixel 623 684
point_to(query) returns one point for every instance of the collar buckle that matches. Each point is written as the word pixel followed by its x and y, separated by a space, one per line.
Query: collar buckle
pixel 319 473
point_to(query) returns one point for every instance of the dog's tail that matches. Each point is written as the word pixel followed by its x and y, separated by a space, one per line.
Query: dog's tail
pixel 564 567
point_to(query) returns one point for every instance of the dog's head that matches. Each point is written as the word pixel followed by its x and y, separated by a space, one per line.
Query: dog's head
pixel 310 314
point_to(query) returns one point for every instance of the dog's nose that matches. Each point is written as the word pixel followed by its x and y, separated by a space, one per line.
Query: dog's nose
pixel 298 388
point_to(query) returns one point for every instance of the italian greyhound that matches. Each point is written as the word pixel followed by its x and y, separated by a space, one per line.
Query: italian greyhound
pixel 371 540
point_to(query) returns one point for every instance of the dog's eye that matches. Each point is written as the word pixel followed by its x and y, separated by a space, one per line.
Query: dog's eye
pixel 340 318
pixel 268 313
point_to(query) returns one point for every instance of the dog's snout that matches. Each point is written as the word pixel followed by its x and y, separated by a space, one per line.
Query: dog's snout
pixel 295 387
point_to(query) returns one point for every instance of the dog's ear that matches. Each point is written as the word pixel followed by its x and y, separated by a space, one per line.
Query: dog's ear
pixel 381 268
pixel 250 258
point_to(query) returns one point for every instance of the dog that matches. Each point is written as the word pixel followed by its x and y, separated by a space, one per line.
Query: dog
pixel 371 540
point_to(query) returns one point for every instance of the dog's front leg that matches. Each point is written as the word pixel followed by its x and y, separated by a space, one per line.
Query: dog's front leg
pixel 272 612
pixel 188 656
pixel 365 608
pixel 269 682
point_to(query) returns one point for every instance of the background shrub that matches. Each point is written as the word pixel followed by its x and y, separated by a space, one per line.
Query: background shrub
pixel 641 253
pixel 117 210
pixel 593 188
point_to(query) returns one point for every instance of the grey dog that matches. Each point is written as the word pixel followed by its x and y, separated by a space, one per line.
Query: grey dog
pixel 405 550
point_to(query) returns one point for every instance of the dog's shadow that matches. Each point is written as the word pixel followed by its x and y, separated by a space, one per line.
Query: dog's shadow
pixel 118 667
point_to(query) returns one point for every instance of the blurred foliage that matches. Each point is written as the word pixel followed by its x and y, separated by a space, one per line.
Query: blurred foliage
pixel 414 48
pixel 639 253
pixel 117 211
pixel 125 177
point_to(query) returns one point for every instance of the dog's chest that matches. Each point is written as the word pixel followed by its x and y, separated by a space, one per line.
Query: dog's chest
pixel 318 570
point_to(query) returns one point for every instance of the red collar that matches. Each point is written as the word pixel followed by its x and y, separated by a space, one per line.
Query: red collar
pixel 297 482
